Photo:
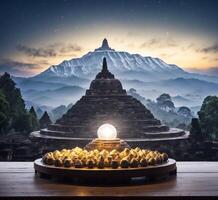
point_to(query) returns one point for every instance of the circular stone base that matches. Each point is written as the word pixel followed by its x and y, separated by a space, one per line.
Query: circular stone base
pixel 109 145
pixel 72 173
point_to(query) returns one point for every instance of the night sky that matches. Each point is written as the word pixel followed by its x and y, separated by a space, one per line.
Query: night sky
pixel 37 34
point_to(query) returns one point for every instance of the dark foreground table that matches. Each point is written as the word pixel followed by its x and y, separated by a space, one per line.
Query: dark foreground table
pixel 196 179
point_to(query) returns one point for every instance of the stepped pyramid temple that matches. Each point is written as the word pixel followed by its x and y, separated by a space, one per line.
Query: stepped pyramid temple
pixel 107 102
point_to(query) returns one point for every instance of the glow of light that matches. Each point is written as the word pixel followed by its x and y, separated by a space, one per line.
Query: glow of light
pixel 107 132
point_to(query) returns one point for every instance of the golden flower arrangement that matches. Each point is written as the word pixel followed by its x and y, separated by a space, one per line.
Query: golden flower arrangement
pixel 81 158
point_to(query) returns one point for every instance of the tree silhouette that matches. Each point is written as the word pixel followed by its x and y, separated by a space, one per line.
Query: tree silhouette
pixel 164 101
pixel 185 111
pixel 208 116
pixel 195 131
pixel 4 113
pixel 34 120
pixel 17 116
pixel 44 120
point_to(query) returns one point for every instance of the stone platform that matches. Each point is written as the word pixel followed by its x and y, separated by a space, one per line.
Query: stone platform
pixel 170 145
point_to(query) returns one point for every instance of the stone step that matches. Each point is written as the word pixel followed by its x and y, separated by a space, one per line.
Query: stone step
pixel 172 133
pixel 166 134
pixel 145 125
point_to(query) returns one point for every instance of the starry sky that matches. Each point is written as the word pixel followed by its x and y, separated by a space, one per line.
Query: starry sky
pixel 37 34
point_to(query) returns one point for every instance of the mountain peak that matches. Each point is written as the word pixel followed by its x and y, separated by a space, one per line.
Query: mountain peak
pixel 104 46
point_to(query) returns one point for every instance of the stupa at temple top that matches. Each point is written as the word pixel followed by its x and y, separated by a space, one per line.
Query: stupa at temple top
pixel 107 102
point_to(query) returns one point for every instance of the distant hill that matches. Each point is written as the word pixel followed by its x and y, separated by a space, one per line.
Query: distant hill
pixel 182 101
pixel 64 95
pixel 68 80
pixel 29 84
pixel 186 92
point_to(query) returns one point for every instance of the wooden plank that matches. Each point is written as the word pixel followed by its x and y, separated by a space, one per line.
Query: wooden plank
pixel 193 167
pixel 184 185
pixel 196 167
pixel 16 167
pixel 194 179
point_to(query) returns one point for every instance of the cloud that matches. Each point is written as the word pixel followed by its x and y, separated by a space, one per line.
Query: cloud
pixel 131 45
pixel 210 49
pixel 167 54
pixel 132 34
pixel 70 48
pixel 51 50
pixel 37 52
pixel 191 45
pixel 159 43
pixel 154 42
pixel 204 58
pixel 17 67
pixel 65 48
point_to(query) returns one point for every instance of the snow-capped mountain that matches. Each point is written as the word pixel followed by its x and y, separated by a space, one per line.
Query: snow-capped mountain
pixel 119 63
pixel 149 76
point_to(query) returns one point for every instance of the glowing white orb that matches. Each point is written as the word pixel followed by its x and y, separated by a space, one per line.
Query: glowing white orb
pixel 107 132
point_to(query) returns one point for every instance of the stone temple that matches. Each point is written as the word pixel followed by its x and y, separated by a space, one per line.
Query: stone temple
pixel 107 102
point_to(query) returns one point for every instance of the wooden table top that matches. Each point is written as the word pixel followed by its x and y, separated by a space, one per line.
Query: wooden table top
pixel 196 179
